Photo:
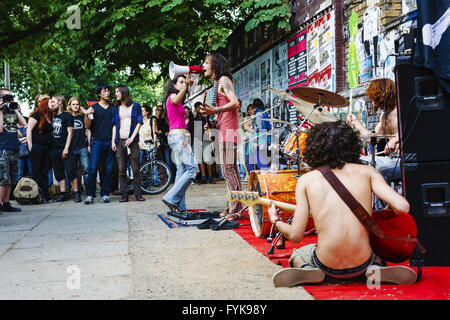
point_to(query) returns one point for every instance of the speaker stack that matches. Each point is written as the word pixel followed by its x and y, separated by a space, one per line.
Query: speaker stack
pixel 424 119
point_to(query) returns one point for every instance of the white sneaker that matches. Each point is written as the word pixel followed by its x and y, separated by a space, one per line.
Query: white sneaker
pixel 105 199
pixel 392 275
pixel 290 277
pixel 89 200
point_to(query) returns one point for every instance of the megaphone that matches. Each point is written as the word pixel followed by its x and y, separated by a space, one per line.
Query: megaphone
pixel 176 70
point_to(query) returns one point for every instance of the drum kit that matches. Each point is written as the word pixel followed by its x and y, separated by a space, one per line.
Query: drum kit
pixel 280 185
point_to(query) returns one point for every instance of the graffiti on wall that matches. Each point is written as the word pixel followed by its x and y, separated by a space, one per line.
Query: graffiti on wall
pixel 268 70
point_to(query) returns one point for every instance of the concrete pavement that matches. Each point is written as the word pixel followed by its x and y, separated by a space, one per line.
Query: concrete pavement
pixel 65 251
pixel 124 251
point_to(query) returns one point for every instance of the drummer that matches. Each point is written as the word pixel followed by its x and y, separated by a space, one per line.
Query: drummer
pixel 261 127
pixel 388 165
pixel 343 250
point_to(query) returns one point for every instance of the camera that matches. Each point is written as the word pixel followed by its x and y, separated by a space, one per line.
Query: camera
pixel 8 103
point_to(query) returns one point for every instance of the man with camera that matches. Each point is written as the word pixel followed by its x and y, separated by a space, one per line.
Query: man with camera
pixel 10 116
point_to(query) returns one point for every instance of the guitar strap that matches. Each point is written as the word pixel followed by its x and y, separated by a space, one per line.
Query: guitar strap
pixel 213 102
pixel 363 216
pixel 215 93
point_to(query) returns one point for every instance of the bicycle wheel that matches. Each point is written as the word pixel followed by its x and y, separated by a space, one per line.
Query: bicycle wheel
pixel 156 176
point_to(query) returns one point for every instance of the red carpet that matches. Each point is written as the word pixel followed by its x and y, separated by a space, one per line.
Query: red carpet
pixel 434 285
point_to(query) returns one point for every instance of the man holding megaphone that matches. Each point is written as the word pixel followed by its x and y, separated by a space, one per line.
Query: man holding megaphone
pixel 226 105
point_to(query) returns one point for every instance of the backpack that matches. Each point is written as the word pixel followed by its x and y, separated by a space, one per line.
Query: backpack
pixel 27 191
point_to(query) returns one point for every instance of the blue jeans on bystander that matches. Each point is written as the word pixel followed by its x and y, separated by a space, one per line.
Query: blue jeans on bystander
pixel 100 148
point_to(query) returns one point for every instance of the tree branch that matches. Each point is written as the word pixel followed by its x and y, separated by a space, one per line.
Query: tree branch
pixel 18 35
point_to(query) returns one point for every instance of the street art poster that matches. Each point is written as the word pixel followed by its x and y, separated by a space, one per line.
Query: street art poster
pixel 250 81
pixel 280 76
pixel 297 60
pixel 321 53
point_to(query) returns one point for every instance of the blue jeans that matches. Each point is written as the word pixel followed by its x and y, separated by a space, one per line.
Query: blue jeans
pixel 389 168
pixel 100 148
pixel 83 155
pixel 166 153
pixel 186 169
pixel 22 162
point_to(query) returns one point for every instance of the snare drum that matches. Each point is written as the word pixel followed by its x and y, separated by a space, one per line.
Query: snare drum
pixel 289 146
pixel 278 186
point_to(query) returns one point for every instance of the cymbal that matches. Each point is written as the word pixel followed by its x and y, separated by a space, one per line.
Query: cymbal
pixel 285 95
pixel 278 120
pixel 314 95
pixel 305 108
pixel 376 135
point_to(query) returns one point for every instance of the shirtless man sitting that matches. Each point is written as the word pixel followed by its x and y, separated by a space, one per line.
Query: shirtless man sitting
pixel 343 251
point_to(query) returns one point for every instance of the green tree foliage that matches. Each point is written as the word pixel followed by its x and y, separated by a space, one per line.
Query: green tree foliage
pixel 119 40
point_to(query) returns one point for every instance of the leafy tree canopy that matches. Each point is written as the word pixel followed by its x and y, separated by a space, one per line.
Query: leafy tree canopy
pixel 119 41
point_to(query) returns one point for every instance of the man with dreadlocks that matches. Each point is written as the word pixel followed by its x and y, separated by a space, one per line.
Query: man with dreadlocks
pixel 227 109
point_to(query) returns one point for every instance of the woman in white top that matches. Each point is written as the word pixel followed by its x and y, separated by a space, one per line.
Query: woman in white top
pixel 127 120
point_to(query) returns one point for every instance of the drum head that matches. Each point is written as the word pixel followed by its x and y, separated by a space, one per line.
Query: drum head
pixel 256 212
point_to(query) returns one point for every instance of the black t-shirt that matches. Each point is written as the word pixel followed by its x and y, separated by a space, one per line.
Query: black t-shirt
pixel 44 138
pixel 60 123
pixel 79 139
pixel 8 138
pixel 162 126
pixel 101 127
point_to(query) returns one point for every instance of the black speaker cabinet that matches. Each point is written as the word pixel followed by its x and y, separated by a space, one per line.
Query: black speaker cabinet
pixel 427 189
pixel 424 114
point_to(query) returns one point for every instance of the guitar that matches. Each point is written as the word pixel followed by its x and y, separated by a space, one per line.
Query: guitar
pixel 251 198
pixel 393 226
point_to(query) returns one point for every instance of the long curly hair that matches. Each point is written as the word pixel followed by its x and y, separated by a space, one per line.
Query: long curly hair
pixel 376 92
pixel 333 144
pixel 220 65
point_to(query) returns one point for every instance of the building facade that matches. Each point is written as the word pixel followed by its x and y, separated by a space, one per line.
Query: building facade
pixel 315 52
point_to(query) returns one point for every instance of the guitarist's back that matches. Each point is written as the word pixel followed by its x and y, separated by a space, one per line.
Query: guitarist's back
pixel 343 242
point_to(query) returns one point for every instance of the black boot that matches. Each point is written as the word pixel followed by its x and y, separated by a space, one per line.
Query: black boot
pixel 61 197
pixel 77 197
pixel 6 207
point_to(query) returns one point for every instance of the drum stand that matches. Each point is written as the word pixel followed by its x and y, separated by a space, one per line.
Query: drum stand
pixel 317 105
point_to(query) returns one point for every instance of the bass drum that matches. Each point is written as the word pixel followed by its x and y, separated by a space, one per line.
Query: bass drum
pixel 276 185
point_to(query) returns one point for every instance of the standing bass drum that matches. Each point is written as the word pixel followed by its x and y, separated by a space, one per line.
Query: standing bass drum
pixel 276 185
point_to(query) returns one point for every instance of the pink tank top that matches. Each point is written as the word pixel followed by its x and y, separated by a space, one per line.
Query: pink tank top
pixel 228 122
pixel 176 115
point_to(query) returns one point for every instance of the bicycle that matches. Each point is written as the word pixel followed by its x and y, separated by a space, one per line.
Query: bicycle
pixel 156 174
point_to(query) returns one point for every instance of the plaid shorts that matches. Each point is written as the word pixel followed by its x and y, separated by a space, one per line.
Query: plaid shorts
pixel 8 167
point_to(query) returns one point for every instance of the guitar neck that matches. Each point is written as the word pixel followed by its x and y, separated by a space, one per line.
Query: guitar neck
pixel 252 198
pixel 278 204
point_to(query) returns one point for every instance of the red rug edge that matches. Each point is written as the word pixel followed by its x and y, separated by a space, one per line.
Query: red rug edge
pixel 434 284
